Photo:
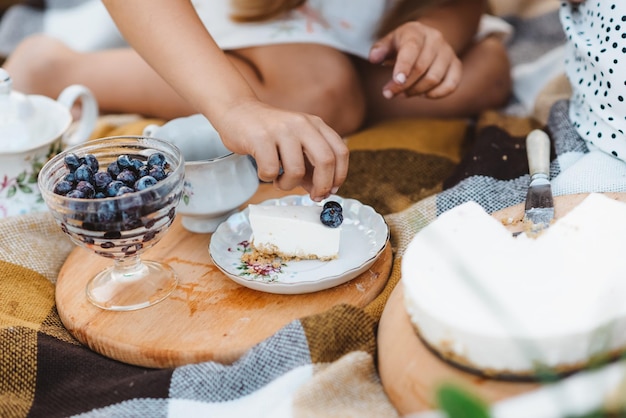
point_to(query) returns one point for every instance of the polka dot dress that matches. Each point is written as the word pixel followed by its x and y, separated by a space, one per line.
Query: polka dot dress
pixel 596 67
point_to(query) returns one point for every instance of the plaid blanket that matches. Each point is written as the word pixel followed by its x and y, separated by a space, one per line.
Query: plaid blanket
pixel 320 366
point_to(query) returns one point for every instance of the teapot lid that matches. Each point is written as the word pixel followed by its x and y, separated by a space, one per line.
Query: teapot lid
pixel 16 113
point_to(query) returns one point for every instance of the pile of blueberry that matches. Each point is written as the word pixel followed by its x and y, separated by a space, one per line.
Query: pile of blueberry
pixel 95 188
pixel 332 214
pixel 124 175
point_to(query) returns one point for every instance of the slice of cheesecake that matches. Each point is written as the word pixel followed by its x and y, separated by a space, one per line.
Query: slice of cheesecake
pixel 293 232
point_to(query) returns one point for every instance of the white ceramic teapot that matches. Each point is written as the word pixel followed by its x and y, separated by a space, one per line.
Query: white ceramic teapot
pixel 33 128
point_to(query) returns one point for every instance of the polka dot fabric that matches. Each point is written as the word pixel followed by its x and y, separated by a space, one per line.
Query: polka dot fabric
pixel 595 64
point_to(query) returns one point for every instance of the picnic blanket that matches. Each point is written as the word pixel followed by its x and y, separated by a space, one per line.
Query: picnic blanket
pixel 409 170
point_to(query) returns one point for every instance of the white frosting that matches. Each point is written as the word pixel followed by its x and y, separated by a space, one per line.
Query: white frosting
pixel 506 303
pixel 293 231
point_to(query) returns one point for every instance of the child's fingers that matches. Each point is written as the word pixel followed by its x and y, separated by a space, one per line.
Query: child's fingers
pixel 317 160
pixel 330 164
pixel 268 163
pixel 435 75
pixel 381 51
pixel 292 164
pixel 403 73
pixel 449 83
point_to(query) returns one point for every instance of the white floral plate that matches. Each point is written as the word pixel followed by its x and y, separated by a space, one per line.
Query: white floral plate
pixel 364 235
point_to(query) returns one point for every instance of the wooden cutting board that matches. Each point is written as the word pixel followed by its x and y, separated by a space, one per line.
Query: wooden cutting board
pixel 410 372
pixel 208 317
pixel 512 217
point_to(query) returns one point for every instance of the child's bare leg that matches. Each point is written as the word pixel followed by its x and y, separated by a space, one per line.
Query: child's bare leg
pixel 120 80
pixel 306 77
pixel 485 84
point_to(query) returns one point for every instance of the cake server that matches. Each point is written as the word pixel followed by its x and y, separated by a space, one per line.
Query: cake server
pixel 539 208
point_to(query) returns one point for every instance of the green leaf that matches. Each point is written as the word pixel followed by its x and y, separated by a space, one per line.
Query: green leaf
pixel 458 403
pixel 25 189
pixel 12 191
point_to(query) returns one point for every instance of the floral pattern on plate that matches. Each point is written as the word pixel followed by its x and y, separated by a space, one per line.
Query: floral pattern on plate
pixel 265 270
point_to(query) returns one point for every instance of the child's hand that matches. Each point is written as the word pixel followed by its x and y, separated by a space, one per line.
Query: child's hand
pixel 291 149
pixel 425 64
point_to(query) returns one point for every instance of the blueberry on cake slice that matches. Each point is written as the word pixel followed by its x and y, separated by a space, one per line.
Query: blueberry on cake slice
pixel 296 231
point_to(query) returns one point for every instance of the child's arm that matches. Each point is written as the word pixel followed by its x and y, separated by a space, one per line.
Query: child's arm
pixel 171 38
pixel 426 51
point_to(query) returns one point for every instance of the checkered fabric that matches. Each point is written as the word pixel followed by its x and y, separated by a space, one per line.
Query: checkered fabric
pixel 320 366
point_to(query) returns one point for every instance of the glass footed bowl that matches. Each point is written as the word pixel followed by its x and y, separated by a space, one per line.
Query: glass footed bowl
pixel 120 227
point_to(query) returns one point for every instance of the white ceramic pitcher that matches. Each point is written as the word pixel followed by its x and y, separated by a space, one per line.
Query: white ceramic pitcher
pixel 33 128
pixel 217 181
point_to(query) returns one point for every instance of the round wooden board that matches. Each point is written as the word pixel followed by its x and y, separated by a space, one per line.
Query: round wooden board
pixel 208 317
pixel 512 217
pixel 410 372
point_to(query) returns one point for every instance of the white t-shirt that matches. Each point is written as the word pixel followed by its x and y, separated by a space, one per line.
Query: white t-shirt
pixel 347 25
pixel 595 64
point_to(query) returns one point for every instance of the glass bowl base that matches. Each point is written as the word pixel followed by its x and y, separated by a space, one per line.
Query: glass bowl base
pixel 123 290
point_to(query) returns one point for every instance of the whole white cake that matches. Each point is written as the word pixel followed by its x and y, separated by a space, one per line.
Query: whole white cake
pixel 508 306
pixel 293 231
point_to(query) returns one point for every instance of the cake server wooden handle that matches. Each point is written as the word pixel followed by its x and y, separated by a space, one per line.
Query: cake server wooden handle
pixel 538 151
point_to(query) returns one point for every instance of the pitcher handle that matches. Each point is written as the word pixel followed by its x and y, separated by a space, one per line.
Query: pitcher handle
pixel 89 113
pixel 150 130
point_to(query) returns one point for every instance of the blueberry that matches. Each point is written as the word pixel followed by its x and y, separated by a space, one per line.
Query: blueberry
pixel 112 235
pixel 106 212
pixel 156 160
pixel 114 187
pixel 149 236
pixel 124 161
pixel 113 169
pixel 136 165
pixel 127 177
pixel 145 182
pixel 100 195
pixel 63 187
pixel 75 194
pixel 86 239
pixel 101 179
pixel 84 173
pixel 92 162
pixel 131 249
pixel 70 177
pixel 158 173
pixel 143 171
pixel 72 162
pixel 331 217
pixel 123 190
pixel 333 204
pixel 131 219
pixel 86 189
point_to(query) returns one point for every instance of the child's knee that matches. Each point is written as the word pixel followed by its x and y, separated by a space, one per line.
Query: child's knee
pixel 500 83
pixel 339 99
pixel 36 61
